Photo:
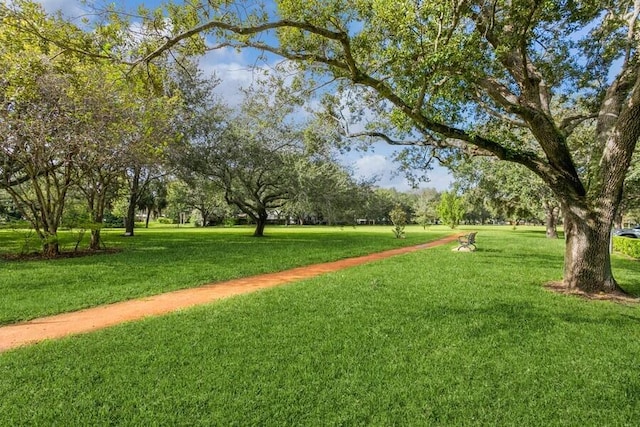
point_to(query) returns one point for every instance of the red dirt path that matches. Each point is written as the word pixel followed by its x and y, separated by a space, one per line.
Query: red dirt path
pixel 91 319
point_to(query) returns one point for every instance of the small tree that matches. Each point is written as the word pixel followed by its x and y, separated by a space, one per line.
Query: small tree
pixel 451 209
pixel 425 207
pixel 41 136
pixel 399 219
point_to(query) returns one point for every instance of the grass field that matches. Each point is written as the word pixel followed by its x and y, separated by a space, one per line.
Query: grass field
pixel 429 338
pixel 164 259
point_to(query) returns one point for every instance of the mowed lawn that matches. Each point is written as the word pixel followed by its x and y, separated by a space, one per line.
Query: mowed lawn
pixel 429 338
pixel 158 260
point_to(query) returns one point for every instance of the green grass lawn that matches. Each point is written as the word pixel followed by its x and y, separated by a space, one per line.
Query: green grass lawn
pixel 164 259
pixel 429 338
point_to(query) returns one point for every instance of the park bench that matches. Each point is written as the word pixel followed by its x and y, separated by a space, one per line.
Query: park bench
pixel 467 241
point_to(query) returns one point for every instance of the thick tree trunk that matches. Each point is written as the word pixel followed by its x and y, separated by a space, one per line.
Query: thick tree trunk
pixel 129 221
pixel 206 215
pixel 617 221
pixel 587 262
pixel 551 222
pixel 50 245
pixel 95 239
pixel 261 222
pixel 51 249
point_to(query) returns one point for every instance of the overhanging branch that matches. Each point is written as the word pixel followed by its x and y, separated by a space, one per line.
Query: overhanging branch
pixel 239 30
pixel 346 63
pixel 570 123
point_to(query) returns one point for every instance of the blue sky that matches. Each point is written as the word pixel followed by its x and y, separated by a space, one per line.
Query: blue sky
pixel 234 70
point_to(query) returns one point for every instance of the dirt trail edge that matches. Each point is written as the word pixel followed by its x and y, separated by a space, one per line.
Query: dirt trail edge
pixel 91 319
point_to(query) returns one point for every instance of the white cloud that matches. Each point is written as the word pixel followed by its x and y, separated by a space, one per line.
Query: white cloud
pixel 71 8
pixel 380 166
pixel 232 68
pixel 240 69
pixel 371 166
pixel 439 178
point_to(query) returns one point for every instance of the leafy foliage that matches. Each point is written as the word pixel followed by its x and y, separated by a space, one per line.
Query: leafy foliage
pixel 506 192
pixel 451 209
pixel 426 207
pixel 627 246
pixel 71 122
pixel 509 79
pixel 399 220
pixel 469 77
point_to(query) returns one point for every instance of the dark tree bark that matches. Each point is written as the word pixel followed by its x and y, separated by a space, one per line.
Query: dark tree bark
pixel 129 221
pixel 261 222
pixel 96 201
pixel 95 240
pixel 551 221
pixel 134 196
pixel 148 217
pixel 206 215
pixel 587 263
pixel 51 247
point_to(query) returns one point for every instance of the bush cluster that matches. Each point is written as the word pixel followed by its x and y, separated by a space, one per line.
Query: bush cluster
pixel 627 246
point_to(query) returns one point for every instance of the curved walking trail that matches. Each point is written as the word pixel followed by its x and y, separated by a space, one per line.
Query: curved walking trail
pixel 91 319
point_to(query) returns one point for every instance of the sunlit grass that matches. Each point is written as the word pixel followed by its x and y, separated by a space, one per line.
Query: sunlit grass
pixel 430 338
pixel 163 259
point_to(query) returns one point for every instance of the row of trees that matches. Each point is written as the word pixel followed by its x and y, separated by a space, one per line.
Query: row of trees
pixel 83 136
pixel 522 81
pixel 509 79
pixel 74 127
pixel 115 139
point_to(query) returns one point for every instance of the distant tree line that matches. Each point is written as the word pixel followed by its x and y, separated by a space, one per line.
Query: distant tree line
pixel 88 143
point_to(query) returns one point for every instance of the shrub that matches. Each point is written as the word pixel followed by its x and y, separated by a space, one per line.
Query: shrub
pixel 229 222
pixel 627 246
pixel 196 218
pixel 399 219
pixel 112 221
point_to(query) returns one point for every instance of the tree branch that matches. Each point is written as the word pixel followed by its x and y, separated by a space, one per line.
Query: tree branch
pixel 570 123
pixel 347 64
pixel 432 142
pixel 239 30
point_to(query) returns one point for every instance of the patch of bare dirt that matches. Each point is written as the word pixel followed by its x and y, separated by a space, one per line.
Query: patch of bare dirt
pixel 618 297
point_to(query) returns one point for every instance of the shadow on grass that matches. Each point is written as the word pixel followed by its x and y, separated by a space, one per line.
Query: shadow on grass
pixel 626 273
pixel 497 256
pixel 515 320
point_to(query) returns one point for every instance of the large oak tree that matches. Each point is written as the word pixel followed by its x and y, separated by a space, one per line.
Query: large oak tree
pixel 447 69
pixel 250 154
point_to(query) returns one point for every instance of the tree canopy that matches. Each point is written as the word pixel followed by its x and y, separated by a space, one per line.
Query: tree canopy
pixel 71 123
pixel 463 75
pixel 513 79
